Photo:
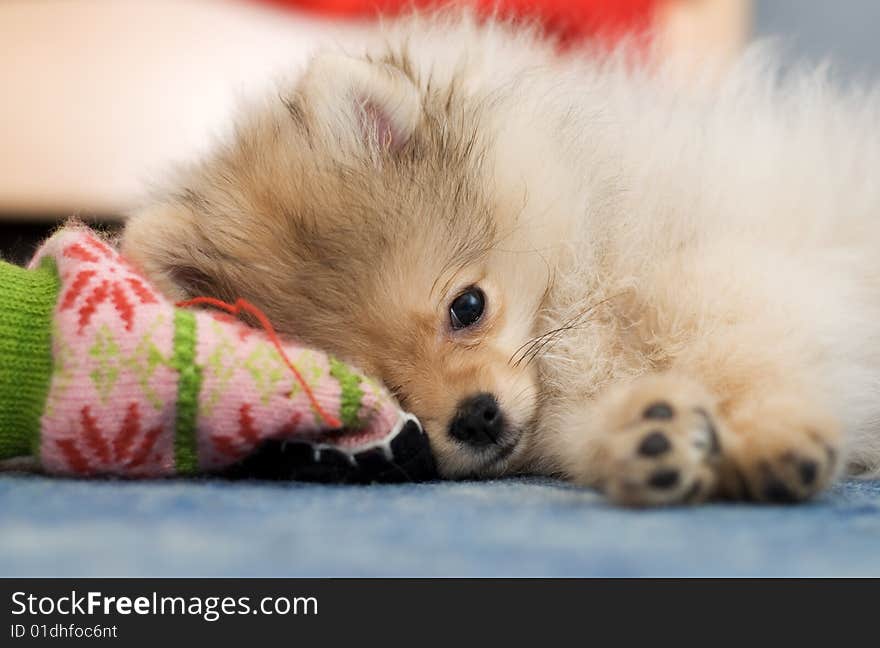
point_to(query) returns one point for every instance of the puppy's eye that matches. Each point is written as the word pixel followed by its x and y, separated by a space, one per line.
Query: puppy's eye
pixel 467 309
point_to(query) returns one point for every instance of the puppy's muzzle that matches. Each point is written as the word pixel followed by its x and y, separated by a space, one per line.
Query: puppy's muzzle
pixel 478 421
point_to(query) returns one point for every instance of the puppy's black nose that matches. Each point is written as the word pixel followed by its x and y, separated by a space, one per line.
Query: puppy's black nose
pixel 479 421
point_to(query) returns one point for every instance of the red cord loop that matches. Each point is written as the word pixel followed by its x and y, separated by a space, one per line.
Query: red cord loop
pixel 244 305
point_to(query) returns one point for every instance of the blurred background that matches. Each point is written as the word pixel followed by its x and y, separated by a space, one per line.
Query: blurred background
pixel 101 97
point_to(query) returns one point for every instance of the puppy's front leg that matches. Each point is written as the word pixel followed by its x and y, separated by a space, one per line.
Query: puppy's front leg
pixel 665 439
pixel 652 441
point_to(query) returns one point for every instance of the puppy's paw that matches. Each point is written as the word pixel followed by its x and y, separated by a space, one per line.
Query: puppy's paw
pixel 781 453
pixel 662 445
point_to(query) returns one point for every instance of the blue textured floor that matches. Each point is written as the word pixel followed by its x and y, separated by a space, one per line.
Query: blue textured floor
pixel 505 528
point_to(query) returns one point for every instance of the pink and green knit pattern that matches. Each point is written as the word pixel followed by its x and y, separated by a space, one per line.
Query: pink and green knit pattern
pixel 101 375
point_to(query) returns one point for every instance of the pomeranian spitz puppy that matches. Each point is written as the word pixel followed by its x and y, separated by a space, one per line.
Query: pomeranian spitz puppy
pixel 571 264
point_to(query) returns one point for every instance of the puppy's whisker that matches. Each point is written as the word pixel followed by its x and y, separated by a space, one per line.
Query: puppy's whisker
pixel 548 342
pixel 577 322
pixel 534 342
pixel 534 347
pixel 522 351
pixel 531 344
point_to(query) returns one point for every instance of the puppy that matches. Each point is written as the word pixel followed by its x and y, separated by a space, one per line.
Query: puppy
pixel 571 265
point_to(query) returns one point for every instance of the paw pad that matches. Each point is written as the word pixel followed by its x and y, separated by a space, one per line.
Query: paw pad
pixel 664 479
pixel 659 411
pixel 775 490
pixel 654 444
pixel 666 451
pixel 808 471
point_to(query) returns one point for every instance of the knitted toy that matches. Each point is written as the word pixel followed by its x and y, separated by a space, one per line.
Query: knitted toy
pixel 101 375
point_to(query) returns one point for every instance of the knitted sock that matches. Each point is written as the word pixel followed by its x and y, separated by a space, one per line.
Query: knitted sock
pixel 103 376
pixel 25 353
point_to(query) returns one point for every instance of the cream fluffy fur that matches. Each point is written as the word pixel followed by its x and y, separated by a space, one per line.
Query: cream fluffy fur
pixel 707 250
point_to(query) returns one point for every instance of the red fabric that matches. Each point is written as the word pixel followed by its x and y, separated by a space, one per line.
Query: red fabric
pixel 569 20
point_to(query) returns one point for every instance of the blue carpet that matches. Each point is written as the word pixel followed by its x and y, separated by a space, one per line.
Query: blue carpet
pixel 517 527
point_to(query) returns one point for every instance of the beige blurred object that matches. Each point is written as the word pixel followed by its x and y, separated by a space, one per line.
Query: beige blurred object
pixel 101 96
pixel 703 35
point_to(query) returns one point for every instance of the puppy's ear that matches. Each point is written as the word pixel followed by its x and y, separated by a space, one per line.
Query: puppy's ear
pixel 353 102
pixel 166 244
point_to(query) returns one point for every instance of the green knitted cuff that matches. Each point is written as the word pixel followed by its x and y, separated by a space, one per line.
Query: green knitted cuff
pixel 27 302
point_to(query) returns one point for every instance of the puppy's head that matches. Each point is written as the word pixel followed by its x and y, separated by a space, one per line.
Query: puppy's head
pixel 360 212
